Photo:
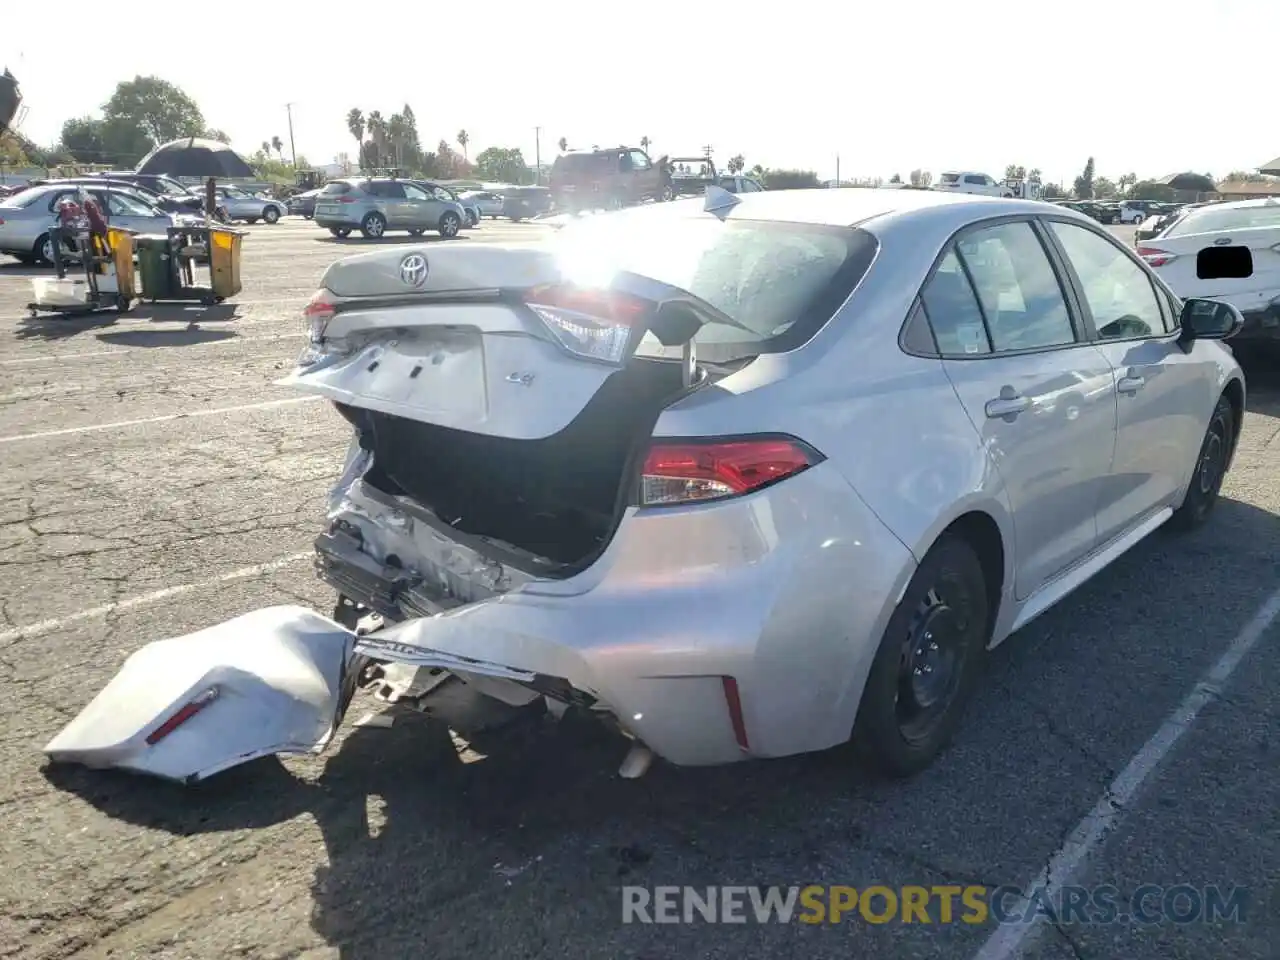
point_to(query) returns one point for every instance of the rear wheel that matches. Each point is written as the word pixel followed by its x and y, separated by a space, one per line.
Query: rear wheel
pixel 270 214
pixel 449 225
pixel 340 232
pixel 473 218
pixel 928 662
pixel 1211 468
pixel 373 226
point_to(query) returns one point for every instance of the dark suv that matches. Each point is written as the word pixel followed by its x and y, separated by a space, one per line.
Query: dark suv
pixel 607 179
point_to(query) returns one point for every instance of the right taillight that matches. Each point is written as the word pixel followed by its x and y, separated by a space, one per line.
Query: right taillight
pixel 696 471
pixel 316 314
pixel 1156 257
pixel 596 324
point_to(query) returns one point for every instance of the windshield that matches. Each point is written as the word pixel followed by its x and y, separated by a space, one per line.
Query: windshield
pixel 780 281
pixel 172 187
pixel 1215 221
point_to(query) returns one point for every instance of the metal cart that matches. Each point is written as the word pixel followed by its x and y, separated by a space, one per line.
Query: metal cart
pixel 107 270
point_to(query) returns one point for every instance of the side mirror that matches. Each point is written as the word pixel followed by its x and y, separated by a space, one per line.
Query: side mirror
pixel 1209 320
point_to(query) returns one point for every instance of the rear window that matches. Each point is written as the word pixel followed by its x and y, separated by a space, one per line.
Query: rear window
pixel 23 198
pixel 335 189
pixel 1214 221
pixel 781 281
pixel 572 162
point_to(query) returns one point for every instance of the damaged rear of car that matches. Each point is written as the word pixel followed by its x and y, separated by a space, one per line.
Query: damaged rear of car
pixel 572 480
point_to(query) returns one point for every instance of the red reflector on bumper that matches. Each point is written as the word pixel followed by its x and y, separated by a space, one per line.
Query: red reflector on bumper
pixel 182 715
pixel 732 698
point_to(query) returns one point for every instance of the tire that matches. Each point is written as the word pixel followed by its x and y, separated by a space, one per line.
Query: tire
pixel 373 226
pixel 942 624
pixel 449 225
pixel 270 215
pixel 1210 469
pixel 251 220
pixel 42 252
pixel 340 232
pixel 472 219
pixel 416 232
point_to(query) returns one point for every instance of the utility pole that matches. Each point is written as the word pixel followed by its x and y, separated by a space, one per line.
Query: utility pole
pixel 837 171
pixel 537 155
pixel 292 150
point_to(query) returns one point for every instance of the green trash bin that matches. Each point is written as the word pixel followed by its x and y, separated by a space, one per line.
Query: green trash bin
pixel 155 268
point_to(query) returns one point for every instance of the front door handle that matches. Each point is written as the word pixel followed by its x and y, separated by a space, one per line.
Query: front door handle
pixel 1131 382
pixel 1008 405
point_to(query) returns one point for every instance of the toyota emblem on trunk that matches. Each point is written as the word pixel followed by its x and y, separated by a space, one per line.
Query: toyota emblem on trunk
pixel 413 270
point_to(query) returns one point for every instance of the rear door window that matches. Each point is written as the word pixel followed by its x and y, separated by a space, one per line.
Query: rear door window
pixel 1021 298
pixel 335 189
pixel 952 308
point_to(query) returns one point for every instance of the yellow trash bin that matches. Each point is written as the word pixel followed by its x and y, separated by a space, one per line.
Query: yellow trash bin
pixel 121 242
pixel 224 262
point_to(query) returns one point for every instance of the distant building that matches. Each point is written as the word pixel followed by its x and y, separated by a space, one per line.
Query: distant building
pixel 1271 169
pixel 1249 189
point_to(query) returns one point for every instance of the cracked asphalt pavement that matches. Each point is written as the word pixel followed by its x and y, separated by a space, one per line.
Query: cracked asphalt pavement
pixel 154 481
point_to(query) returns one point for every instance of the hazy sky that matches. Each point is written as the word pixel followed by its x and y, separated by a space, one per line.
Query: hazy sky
pixel 1151 88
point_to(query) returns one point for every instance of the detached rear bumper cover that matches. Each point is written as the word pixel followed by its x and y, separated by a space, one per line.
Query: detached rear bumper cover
pixel 279 679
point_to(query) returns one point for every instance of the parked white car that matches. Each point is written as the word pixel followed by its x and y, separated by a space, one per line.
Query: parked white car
pixel 969 181
pixel 1225 251
pixel 1133 211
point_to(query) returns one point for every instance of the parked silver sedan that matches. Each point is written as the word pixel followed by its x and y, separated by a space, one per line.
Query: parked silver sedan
pixel 26 217
pixel 486 202
pixel 251 207
pixel 744 476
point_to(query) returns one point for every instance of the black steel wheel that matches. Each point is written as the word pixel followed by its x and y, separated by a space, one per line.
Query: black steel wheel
pixel 928 662
pixel 1210 470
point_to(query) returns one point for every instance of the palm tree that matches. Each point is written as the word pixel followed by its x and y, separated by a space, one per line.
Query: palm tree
pixel 463 140
pixel 563 145
pixel 644 144
pixel 737 164
pixel 278 146
pixel 377 128
pixel 398 134
pixel 355 126
pixel 266 148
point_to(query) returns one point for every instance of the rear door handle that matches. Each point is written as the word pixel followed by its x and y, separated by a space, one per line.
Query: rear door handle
pixel 1007 407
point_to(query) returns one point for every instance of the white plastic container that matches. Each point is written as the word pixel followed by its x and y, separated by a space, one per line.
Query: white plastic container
pixel 66 292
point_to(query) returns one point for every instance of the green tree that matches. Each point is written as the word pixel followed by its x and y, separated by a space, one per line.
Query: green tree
pixel 1150 190
pixel 278 146
pixel 82 138
pixel 1083 187
pixel 920 178
pixel 213 133
pixel 791 180
pixel 463 140
pixel 563 144
pixel 1126 181
pixel 1034 174
pixel 503 165
pixel 1104 189
pixel 162 111
pixel 645 143
pixel 266 148
pixel 377 128
pixel 737 164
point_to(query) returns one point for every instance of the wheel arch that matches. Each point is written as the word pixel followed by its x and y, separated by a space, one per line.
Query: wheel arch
pixel 1234 392
pixel 981 531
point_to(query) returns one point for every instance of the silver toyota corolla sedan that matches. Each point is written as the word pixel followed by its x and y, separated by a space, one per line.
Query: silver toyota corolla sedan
pixel 745 476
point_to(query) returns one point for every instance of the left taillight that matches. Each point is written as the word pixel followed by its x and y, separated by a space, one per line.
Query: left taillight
pixel 1156 257
pixel 698 471
pixel 182 715
pixel 596 324
pixel 316 314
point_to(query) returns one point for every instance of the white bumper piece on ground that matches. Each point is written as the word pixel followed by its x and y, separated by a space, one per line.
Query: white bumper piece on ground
pixel 272 681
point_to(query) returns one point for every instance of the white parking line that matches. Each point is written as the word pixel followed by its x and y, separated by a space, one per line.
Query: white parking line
pixel 94 427
pixel 57 623
pixel 59 357
pixel 1007 942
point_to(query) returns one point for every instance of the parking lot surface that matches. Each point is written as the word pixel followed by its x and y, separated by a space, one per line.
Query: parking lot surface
pixel 154 481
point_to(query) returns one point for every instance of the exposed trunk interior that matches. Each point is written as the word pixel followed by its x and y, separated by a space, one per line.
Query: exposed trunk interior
pixel 555 497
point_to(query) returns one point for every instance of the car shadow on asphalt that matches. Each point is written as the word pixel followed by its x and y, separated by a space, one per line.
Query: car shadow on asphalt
pixel 453 814
pixel 185 337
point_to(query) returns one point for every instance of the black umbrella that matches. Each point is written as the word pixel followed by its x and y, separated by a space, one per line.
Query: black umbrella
pixel 194 157
pixel 10 99
pixel 1191 182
